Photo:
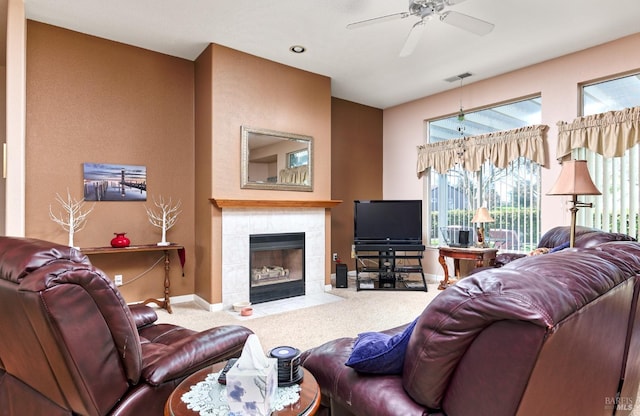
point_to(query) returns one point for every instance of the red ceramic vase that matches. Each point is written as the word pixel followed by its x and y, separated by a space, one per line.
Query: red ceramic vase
pixel 120 240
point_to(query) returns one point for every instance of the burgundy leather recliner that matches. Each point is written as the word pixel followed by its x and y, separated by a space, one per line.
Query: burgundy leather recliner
pixel 70 345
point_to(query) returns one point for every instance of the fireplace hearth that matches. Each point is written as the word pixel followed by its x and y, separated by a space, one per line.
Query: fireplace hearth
pixel 276 269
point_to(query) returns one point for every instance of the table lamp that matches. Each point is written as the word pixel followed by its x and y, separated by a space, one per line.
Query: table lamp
pixel 481 217
pixel 574 180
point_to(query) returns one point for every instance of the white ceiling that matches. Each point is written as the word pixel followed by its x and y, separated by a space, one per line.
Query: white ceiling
pixel 363 63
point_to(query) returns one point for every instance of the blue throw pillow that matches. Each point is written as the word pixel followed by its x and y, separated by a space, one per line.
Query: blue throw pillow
pixel 560 247
pixel 378 353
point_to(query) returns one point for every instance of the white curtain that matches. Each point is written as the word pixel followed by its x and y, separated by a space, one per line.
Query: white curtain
pixel 500 148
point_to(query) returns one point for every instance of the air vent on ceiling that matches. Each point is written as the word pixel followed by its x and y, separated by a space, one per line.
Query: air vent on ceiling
pixel 458 77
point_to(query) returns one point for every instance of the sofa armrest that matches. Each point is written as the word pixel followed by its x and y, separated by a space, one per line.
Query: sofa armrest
pixel 506 258
pixel 352 393
pixel 143 315
pixel 178 352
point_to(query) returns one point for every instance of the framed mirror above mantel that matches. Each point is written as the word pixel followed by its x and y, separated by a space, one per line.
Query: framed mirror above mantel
pixel 276 160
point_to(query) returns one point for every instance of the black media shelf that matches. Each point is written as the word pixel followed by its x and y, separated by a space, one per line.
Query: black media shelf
pixel 388 267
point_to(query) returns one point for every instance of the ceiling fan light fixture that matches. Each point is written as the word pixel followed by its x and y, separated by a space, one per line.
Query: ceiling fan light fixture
pixel 425 10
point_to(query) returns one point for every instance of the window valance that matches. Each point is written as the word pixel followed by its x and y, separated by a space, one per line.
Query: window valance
pixel 500 148
pixel 609 134
pixel 298 175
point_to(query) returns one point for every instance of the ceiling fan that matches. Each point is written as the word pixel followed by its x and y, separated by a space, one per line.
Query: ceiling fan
pixel 425 10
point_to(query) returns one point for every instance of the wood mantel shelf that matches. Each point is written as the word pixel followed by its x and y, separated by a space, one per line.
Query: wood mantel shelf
pixel 262 203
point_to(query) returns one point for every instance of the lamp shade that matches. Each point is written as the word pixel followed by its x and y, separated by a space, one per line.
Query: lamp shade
pixel 574 179
pixel 482 215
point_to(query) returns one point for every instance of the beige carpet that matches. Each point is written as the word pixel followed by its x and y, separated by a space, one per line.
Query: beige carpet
pixel 347 314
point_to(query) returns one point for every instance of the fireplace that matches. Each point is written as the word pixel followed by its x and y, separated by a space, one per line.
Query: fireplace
pixel 276 269
pixel 239 223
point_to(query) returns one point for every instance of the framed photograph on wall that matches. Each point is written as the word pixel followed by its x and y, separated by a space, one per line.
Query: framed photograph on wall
pixel 111 182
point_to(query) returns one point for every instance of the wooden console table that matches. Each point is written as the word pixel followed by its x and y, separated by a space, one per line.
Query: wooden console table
pixel 480 255
pixel 165 303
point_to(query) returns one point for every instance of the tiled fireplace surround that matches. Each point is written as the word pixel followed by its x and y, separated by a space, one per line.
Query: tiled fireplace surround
pixel 239 223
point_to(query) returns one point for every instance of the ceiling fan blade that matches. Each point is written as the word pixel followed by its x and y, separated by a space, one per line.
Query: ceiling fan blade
pixel 466 22
pixel 412 39
pixel 380 19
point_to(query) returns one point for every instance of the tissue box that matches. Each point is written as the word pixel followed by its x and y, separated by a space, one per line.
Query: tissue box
pixel 251 391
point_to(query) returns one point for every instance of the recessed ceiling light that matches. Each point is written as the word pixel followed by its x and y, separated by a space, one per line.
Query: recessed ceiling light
pixel 297 49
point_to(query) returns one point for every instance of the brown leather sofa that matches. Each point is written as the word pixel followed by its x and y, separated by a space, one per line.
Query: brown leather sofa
pixel 557 334
pixel 70 345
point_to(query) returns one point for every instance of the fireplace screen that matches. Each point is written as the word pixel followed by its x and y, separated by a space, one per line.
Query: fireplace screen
pixel 277 266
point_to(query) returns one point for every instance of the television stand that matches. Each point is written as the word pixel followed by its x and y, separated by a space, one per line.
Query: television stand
pixel 389 267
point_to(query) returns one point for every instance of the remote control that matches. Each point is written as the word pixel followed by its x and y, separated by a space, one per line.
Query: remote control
pixel 222 378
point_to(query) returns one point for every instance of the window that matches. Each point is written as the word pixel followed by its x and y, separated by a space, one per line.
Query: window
pixel 298 158
pixel 618 178
pixel 512 194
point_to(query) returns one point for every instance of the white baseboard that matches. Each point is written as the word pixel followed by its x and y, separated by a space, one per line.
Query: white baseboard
pixel 181 299
pixel 211 307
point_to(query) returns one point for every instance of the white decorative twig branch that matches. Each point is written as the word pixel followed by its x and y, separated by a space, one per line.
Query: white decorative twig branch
pixel 165 218
pixel 74 219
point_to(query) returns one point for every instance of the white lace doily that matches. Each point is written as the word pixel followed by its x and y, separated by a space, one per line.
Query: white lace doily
pixel 209 397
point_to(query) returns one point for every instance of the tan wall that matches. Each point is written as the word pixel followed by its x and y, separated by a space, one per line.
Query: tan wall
pixel 247 90
pixel 203 166
pixel 356 167
pixel 93 100
pixel 252 91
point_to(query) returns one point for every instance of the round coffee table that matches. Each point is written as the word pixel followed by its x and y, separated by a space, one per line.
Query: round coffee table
pixel 306 406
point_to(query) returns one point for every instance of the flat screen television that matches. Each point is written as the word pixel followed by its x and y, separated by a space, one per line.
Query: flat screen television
pixel 387 222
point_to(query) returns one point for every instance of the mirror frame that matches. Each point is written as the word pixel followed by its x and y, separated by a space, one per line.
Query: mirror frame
pixel 244 164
